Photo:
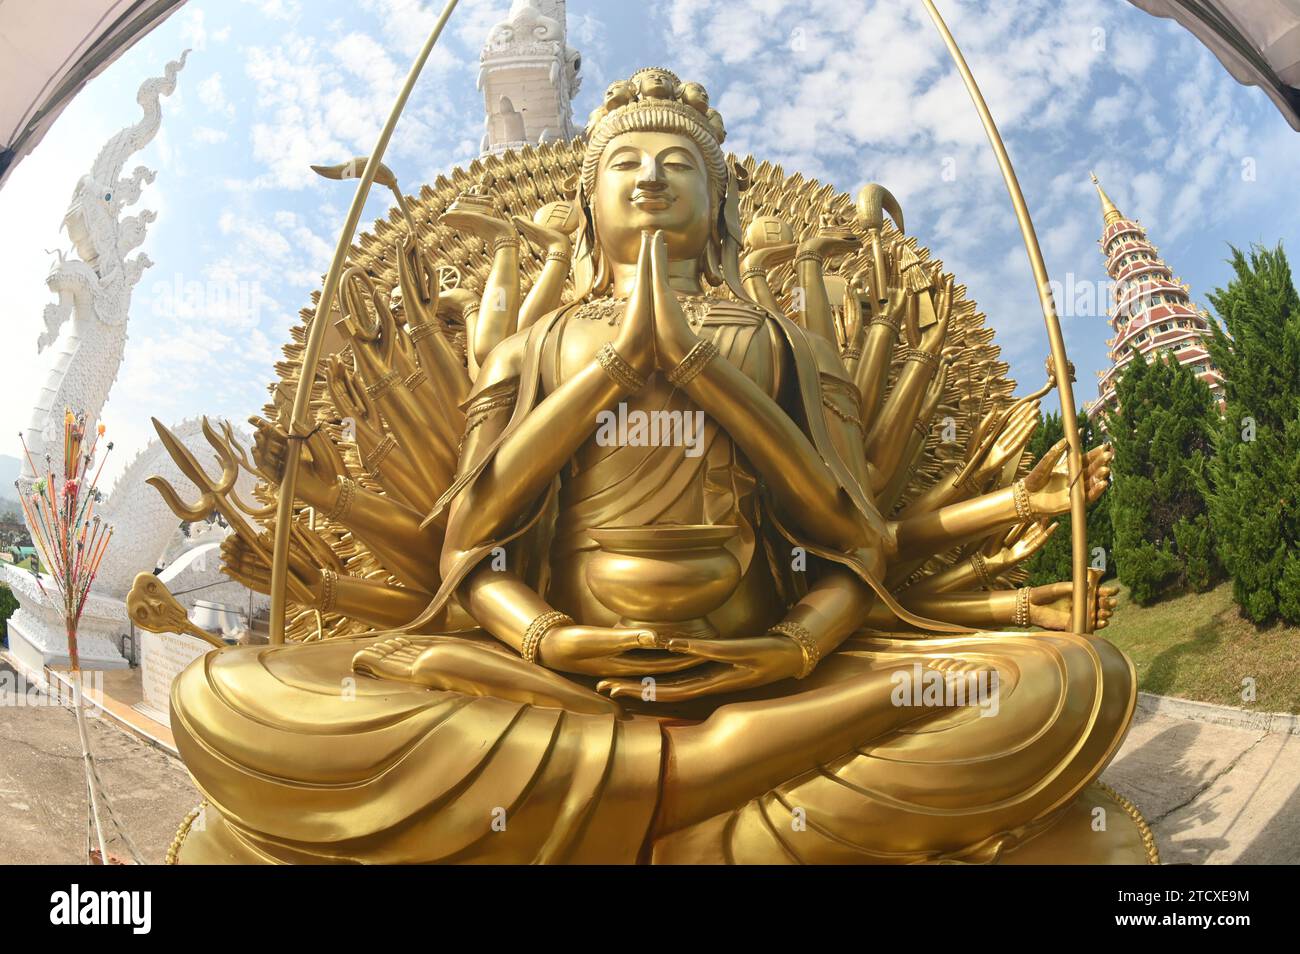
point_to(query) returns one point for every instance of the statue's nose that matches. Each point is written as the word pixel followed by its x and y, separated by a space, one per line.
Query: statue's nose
pixel 650 180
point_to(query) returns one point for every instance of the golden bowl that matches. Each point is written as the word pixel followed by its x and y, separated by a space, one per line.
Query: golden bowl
pixel 665 577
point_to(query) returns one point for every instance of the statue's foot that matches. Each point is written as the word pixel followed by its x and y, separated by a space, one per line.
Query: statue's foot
pixel 952 667
pixel 392 658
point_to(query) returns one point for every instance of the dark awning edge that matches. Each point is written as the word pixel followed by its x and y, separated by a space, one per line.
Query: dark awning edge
pixel 115 40
pixel 1235 51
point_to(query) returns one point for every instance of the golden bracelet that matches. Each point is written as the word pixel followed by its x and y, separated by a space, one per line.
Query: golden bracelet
pixel 809 256
pixel 812 654
pixel 1022 608
pixel 1024 505
pixel 414 379
pixel 381 451
pixel 380 387
pixel 695 361
pixel 754 271
pixel 418 330
pixel 343 503
pixel 916 354
pixel 558 256
pixel 891 322
pixel 851 353
pixel 617 367
pixel 505 241
pixel 981 570
pixel 329 593
pixel 538 628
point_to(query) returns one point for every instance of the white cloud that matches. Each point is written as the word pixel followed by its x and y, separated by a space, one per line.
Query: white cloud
pixel 1132 53
pixel 1108 111
pixel 213 96
pixel 320 102
pixel 278 9
pixel 194 32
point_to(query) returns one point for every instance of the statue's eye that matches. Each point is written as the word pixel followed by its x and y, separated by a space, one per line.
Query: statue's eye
pixel 108 197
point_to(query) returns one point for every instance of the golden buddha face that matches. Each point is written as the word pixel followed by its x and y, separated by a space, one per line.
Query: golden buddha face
pixel 619 94
pixel 652 180
pixel 656 84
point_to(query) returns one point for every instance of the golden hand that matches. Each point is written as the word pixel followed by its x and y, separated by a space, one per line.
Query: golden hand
pixel 487 227
pixel 635 342
pixel 1003 551
pixel 548 239
pixel 1008 445
pixel 600 651
pixel 744 664
pixel 241 562
pixel 350 397
pixel 673 335
pixel 931 339
pixel 1049 482
pixel 830 242
pixel 455 665
pixel 418 278
pixel 851 308
pixel 323 462
pixel 935 387
pixel 1049 606
pixel 245 562
pixel 890 294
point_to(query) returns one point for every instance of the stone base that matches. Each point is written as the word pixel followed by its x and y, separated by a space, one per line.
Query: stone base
pixel 35 649
pixel 37 637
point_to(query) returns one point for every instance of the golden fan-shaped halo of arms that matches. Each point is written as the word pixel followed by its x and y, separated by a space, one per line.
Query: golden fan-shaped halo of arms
pixel 300 422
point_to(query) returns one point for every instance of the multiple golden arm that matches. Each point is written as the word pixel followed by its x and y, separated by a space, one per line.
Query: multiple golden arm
pixel 408 421
pixel 980 500
pixel 501 312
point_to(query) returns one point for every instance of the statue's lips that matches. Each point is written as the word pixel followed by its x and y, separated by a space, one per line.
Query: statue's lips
pixel 648 202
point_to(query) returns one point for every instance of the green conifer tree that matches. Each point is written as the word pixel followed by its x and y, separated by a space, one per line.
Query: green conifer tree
pixel 1163 435
pixel 1255 475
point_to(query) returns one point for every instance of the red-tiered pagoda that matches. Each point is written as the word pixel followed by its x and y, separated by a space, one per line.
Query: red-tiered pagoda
pixel 1152 310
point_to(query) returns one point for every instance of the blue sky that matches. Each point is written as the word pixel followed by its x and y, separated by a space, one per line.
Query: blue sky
pixel 845 92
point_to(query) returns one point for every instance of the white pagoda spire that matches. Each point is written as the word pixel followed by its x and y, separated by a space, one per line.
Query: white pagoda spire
pixel 529 76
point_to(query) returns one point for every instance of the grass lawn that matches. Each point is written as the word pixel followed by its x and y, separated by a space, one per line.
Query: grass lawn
pixel 1199 647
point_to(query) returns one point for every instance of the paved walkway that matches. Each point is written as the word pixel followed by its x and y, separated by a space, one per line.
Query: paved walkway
pixel 43 784
pixel 1215 792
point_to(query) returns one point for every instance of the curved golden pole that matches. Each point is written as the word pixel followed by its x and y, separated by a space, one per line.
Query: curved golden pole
pixel 299 425
pixel 1060 365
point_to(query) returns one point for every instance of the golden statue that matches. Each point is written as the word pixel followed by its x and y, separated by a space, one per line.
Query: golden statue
pixel 631 530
